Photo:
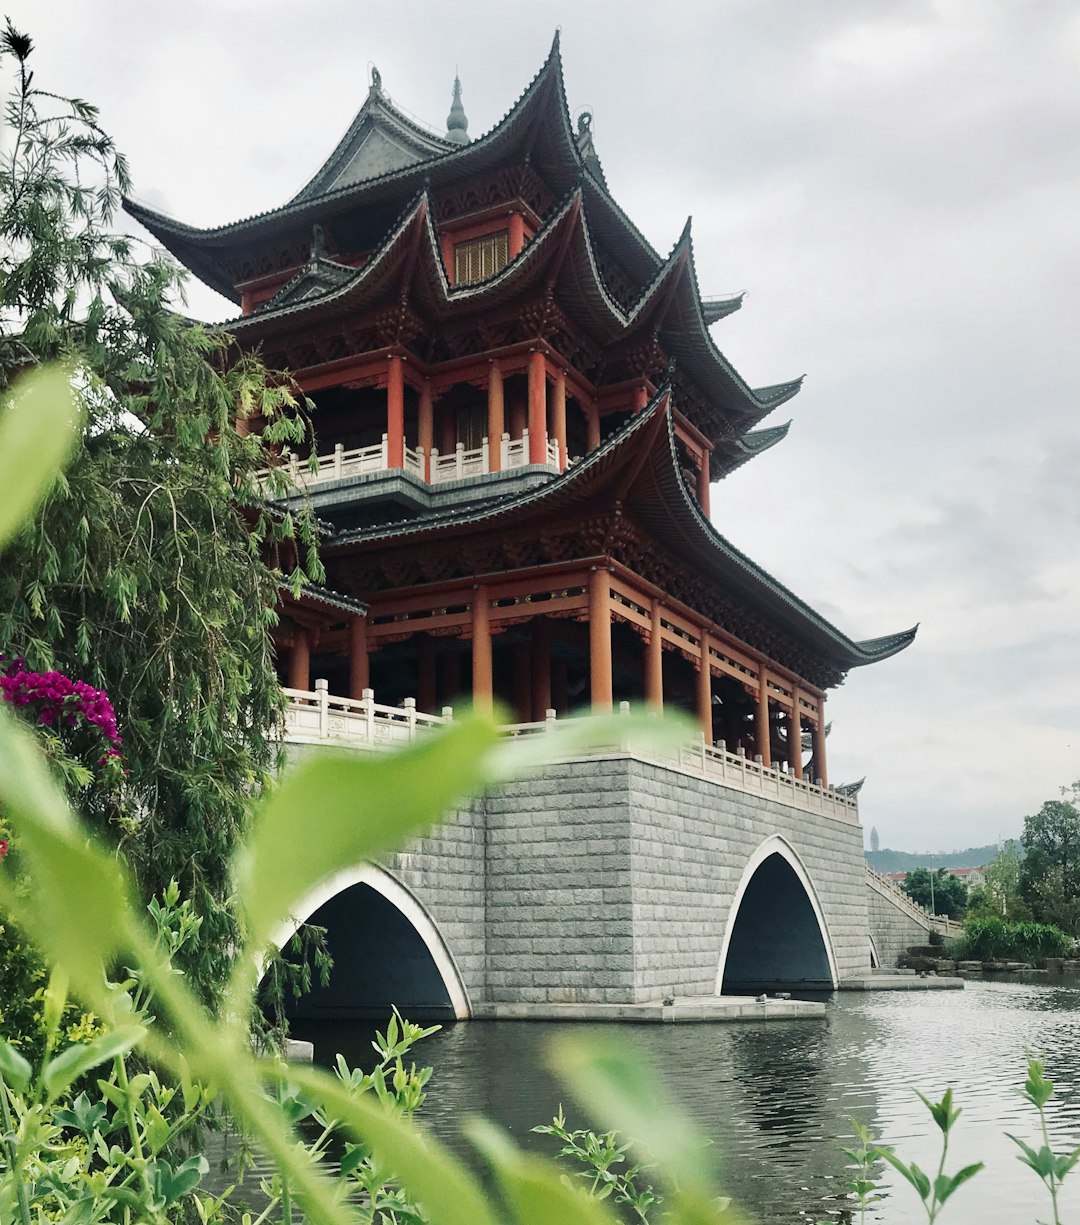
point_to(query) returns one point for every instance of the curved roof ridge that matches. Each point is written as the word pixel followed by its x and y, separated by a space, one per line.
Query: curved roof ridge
pixel 418 207
pixel 871 650
pixel 297 206
pixel 376 106
pixel 448 294
pixel 713 309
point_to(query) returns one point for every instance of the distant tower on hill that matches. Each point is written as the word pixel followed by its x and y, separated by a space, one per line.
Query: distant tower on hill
pixel 875 842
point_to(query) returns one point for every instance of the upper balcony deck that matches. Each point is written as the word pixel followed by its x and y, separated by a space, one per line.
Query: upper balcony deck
pixel 320 718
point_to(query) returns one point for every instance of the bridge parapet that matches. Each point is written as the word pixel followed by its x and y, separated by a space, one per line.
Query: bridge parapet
pixel 318 717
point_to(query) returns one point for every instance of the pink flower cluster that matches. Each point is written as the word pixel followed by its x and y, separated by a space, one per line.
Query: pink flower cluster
pixel 58 701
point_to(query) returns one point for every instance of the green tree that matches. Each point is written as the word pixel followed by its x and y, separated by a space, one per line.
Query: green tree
pixel 1050 875
pixel 151 569
pixel 1000 896
pixel 936 889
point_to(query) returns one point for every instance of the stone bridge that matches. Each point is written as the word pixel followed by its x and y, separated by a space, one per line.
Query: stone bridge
pixel 612 879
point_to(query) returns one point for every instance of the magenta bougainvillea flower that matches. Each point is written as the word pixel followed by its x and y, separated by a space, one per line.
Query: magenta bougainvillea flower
pixel 58 701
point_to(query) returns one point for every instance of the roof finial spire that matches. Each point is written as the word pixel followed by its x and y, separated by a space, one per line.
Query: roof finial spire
pixel 457 126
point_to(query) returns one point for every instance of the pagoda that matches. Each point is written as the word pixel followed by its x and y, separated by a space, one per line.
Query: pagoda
pixel 520 411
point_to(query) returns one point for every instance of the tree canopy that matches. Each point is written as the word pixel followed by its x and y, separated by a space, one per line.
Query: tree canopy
pixel 1050 874
pixel 152 569
pixel 936 889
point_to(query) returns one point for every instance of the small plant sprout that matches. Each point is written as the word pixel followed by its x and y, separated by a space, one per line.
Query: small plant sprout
pixel 1051 1167
pixel 863 1157
pixel 934 1192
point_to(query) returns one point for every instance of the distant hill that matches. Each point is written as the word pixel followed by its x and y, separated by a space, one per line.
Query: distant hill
pixel 904 861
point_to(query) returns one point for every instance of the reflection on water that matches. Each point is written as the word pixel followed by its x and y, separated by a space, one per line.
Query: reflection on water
pixel 777 1098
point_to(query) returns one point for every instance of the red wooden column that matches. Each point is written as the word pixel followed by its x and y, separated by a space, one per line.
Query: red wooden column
pixel 515 242
pixel 359 666
pixel 762 729
pixel 425 667
pixel 819 747
pixel 703 483
pixel 592 427
pixel 704 690
pixel 558 415
pixel 496 416
pixel 600 640
pixel 481 651
pixel 395 411
pixel 426 426
pixel 300 660
pixel 794 751
pixel 541 668
pixel 537 408
pixel 654 662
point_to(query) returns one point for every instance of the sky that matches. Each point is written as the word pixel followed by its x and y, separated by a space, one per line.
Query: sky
pixel 897 188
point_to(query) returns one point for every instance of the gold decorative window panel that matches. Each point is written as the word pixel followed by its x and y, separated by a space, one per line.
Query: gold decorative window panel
pixel 480 258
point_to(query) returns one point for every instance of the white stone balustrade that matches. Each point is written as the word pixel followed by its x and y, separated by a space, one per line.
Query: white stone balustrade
pixel 449 466
pixel 317 717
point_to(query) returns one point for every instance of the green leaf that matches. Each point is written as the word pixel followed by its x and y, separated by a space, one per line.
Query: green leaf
pixel 172 1185
pixel 77 1060
pixel 535 1189
pixel 85 916
pixel 449 1193
pixel 944 1185
pixel 615 1084
pixel 1037 1089
pixel 15 1070
pixel 39 426
pixel 353 807
pixel 911 1173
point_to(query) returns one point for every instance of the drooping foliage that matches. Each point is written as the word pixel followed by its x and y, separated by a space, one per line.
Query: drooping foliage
pixel 151 571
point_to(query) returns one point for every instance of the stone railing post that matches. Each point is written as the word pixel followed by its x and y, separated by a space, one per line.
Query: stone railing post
pixel 339 450
pixel 504 450
pixel 367 699
pixel 410 716
pixel 322 695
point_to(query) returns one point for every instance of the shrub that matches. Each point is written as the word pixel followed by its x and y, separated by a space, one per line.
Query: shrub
pixel 991 939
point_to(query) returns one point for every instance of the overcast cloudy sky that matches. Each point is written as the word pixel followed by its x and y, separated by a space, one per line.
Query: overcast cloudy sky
pixel 897 187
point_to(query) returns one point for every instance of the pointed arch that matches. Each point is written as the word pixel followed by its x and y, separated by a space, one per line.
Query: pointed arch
pixel 406 904
pixel 778 861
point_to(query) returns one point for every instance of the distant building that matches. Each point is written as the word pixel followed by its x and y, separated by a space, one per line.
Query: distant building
pixel 971 876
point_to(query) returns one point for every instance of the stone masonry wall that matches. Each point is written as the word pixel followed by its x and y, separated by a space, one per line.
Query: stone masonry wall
pixel 558 887
pixel 691 841
pixel 445 872
pixel 893 929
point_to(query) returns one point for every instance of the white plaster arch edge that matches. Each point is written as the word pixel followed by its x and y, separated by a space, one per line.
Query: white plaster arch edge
pixel 406 902
pixel 775 844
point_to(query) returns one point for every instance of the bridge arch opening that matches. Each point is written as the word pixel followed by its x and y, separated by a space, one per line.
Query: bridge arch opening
pixel 776 936
pixel 387 952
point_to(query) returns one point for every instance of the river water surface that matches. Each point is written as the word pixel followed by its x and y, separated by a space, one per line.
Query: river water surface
pixel 777 1098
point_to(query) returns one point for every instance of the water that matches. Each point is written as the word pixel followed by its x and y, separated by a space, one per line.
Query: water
pixel 777 1098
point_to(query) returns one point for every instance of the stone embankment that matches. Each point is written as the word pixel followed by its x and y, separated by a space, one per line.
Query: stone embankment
pixel 925 959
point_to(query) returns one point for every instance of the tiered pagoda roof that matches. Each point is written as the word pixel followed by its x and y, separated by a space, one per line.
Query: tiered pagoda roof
pixel 353 263
pixel 635 310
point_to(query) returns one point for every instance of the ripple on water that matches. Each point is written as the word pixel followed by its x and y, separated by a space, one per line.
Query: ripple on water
pixel 777 1099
